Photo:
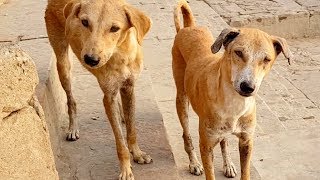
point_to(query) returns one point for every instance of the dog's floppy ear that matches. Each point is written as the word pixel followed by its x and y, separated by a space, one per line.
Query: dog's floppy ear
pixel 138 20
pixel 71 8
pixel 281 45
pixel 226 36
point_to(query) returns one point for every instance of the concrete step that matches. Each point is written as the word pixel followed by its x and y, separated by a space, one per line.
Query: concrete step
pixel 286 18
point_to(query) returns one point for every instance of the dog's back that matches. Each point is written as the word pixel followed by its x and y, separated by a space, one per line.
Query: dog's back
pixel 191 41
pixel 55 7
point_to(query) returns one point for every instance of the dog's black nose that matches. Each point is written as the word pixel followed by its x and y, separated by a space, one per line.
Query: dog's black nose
pixel 246 88
pixel 91 60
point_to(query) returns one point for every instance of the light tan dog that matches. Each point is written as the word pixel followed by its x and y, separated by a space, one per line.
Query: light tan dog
pixel 106 36
pixel 220 87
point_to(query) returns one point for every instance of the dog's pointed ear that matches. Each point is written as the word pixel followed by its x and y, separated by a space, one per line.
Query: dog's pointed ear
pixel 71 8
pixel 226 36
pixel 281 45
pixel 137 19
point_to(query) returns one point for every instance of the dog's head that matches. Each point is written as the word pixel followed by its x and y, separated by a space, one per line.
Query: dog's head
pixel 251 53
pixel 96 28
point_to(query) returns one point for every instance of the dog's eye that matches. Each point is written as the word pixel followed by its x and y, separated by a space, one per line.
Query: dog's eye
pixel 239 54
pixel 114 29
pixel 266 60
pixel 85 23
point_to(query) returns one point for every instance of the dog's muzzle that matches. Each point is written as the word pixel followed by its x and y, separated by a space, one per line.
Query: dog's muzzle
pixel 246 89
pixel 91 60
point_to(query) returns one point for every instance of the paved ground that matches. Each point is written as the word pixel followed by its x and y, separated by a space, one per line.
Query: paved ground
pixel 287 136
pixel 289 117
pixel 94 155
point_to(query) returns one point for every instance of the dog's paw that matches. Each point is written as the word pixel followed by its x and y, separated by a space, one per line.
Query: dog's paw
pixel 196 168
pixel 73 135
pixel 229 170
pixel 141 157
pixel 126 174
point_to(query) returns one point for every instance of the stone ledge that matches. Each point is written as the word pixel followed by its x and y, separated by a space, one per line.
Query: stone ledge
pixel 25 149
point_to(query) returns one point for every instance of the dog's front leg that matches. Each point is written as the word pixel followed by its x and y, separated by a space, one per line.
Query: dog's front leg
pixel 245 149
pixel 207 143
pixel 111 107
pixel 128 104
pixel 248 124
pixel 229 169
pixel 57 38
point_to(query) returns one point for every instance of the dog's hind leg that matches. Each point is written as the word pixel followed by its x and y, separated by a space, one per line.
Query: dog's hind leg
pixel 182 105
pixel 60 46
pixel 128 104
pixel 229 169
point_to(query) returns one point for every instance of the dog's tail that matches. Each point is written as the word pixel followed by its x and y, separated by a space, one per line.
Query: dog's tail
pixel 188 19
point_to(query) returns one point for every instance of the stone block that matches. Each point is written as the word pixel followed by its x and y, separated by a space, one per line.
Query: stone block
pixel 18 78
pixel 25 152
pixel 3 2
pixel 25 149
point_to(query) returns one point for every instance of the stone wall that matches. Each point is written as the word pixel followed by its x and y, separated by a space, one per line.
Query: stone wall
pixel 25 148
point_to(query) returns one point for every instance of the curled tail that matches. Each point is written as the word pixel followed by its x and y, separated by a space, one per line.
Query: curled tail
pixel 188 19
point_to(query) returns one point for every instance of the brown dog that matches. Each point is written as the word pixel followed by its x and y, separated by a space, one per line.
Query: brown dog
pixel 220 87
pixel 106 37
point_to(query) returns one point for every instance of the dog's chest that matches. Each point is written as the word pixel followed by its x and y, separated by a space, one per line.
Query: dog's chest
pixel 228 116
pixel 235 107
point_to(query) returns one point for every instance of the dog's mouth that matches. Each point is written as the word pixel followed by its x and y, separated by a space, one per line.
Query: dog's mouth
pixel 244 94
pixel 91 63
